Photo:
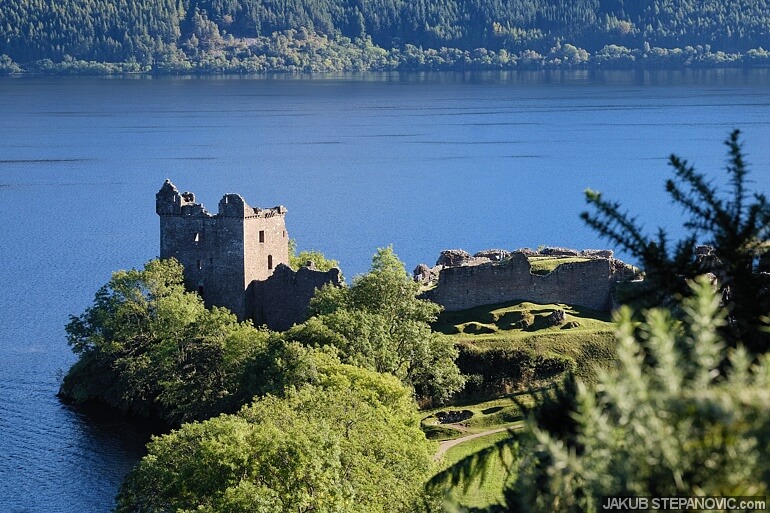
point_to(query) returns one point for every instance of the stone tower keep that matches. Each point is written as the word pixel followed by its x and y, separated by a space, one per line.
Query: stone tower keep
pixel 223 254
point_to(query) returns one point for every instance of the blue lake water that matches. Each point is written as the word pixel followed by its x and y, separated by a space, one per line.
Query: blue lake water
pixel 425 162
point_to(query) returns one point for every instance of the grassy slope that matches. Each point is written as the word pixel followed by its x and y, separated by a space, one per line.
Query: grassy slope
pixel 586 337
pixel 501 320
pixel 589 341
pixel 479 493
pixel 491 414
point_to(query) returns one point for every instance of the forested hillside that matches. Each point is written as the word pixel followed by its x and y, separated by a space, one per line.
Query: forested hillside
pixel 259 35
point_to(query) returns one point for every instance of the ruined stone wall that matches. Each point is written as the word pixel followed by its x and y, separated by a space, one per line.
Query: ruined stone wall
pixel 588 284
pixel 282 300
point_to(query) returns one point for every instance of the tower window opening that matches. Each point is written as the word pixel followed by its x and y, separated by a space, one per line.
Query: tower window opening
pixel 197 237
pixel 269 261
pixel 200 291
pixel 261 235
pixel 200 265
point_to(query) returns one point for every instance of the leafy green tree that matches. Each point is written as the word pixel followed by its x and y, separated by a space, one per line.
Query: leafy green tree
pixel 297 260
pixel 379 323
pixel 7 66
pixel 348 443
pixel 246 36
pixel 149 348
pixel 736 227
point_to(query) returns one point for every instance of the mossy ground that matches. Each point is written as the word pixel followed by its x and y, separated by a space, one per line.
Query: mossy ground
pixel 546 264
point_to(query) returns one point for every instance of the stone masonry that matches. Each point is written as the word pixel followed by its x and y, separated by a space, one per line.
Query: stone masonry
pixel 228 255
pixel 589 284
pixel 282 300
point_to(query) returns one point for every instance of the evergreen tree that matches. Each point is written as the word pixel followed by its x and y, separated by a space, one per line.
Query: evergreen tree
pixel 736 226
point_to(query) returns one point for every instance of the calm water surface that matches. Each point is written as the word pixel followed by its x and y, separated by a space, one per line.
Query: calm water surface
pixel 423 162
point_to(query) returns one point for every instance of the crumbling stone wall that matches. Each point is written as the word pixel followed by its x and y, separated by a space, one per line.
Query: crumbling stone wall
pixel 282 300
pixel 588 284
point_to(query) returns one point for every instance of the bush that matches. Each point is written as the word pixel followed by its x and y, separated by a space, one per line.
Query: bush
pixel 666 424
pixel 349 444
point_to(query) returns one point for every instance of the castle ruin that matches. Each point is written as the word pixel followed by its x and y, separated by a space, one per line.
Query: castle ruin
pixel 237 258
pixel 586 278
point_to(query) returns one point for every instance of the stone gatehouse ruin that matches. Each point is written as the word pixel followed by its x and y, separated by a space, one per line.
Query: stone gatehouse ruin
pixel 237 258
pixel 580 278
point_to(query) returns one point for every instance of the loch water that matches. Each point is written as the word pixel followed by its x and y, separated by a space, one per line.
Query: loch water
pixel 421 161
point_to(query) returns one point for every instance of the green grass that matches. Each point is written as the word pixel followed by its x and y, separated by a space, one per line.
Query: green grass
pixel 490 414
pixel 546 264
pixel 587 337
pixel 504 319
pixel 479 493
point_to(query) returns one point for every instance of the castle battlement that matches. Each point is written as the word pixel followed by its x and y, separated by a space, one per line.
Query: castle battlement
pixel 170 202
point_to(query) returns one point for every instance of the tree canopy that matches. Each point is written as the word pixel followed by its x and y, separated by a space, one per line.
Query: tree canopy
pixel 297 260
pixel 379 323
pixel 349 443
pixel 79 36
pixel 150 348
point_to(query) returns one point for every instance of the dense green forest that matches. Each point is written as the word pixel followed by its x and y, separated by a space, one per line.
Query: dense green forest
pixel 102 36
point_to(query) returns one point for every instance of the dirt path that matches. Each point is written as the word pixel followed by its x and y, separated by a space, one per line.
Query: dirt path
pixel 448 444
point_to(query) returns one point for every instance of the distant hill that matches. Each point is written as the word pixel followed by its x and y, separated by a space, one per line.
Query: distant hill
pixel 303 35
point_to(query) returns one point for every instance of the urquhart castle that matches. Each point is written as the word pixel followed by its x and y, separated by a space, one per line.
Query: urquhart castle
pixel 238 258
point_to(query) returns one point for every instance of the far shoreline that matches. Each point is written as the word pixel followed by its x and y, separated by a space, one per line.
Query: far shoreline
pixel 548 75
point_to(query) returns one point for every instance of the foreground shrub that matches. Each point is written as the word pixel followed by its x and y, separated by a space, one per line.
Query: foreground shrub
pixel 667 423
pixel 673 419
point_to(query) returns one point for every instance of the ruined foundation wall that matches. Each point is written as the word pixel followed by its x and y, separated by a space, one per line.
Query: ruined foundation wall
pixel 282 300
pixel 588 284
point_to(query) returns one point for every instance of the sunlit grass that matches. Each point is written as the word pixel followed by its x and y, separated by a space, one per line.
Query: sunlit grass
pixel 478 492
pixel 587 336
pixel 547 264
pixel 487 415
